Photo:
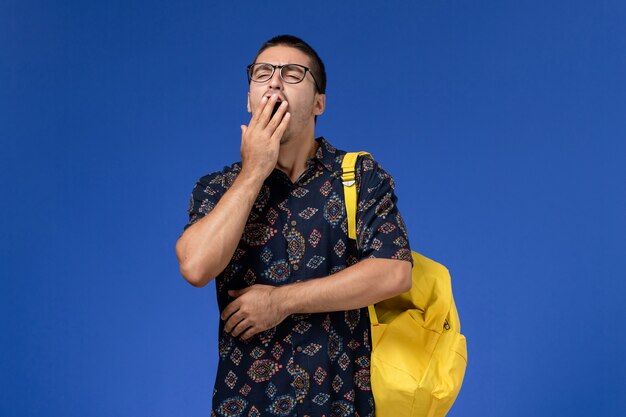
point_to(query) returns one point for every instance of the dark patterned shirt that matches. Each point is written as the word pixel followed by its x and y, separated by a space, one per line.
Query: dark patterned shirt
pixel 310 364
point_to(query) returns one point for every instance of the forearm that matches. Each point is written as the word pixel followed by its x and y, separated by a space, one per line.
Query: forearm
pixel 260 307
pixel 206 247
pixel 367 282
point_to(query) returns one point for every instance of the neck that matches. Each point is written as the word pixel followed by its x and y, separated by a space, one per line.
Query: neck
pixel 294 154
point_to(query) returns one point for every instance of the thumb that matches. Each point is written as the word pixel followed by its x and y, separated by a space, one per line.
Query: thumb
pixel 237 293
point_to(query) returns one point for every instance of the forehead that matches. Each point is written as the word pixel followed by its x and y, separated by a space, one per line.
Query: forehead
pixel 281 55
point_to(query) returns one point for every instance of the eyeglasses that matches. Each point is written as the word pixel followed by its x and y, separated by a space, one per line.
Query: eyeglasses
pixel 289 73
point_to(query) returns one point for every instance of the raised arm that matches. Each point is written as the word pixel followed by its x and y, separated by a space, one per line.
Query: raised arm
pixel 206 247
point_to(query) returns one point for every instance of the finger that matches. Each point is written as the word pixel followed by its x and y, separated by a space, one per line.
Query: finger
pixel 247 335
pixel 243 129
pixel 278 116
pixel 240 291
pixel 233 321
pixel 266 113
pixel 231 308
pixel 262 105
pixel 280 130
pixel 240 328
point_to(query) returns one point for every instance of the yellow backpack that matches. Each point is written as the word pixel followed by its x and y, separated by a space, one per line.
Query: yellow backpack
pixel 419 355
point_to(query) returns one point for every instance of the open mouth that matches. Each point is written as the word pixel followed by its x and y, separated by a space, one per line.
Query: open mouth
pixel 276 106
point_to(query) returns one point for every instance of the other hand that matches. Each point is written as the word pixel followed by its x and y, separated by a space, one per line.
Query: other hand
pixel 254 310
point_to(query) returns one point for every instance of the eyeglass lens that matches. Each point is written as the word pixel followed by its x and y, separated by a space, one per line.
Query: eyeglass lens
pixel 290 73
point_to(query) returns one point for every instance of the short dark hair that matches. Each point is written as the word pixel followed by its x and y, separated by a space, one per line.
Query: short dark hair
pixel 317 66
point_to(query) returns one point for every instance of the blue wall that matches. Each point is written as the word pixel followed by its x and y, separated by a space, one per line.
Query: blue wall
pixel 503 123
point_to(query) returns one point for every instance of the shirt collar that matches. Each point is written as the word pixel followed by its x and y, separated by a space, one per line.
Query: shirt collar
pixel 326 154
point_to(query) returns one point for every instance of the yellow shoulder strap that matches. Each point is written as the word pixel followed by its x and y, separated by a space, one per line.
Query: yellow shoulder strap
pixel 348 167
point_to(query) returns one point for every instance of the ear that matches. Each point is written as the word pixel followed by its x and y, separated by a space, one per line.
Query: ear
pixel 248 105
pixel 320 104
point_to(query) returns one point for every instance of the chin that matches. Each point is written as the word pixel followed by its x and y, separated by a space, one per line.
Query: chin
pixel 285 139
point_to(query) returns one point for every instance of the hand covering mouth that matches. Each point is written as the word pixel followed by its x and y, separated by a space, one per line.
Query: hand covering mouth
pixel 276 106
pixel 280 98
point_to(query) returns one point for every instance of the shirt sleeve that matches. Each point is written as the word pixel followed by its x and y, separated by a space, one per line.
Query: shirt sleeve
pixel 207 192
pixel 381 231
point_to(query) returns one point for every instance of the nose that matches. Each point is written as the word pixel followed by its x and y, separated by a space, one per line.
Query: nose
pixel 276 83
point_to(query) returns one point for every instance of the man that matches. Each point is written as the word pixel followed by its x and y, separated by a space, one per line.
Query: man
pixel 292 288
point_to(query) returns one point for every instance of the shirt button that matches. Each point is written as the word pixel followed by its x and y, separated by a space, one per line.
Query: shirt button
pixel 296 267
pixel 293 223
pixel 299 349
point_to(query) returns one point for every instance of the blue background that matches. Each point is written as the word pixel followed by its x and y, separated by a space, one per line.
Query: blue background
pixel 502 122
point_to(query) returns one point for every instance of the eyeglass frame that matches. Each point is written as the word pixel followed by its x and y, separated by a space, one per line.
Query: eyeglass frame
pixel 280 73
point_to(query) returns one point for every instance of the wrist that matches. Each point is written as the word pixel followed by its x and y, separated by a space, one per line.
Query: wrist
pixel 250 180
pixel 282 300
pixel 252 175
